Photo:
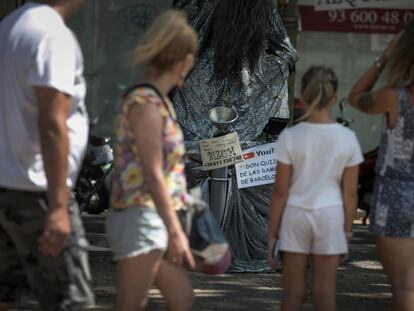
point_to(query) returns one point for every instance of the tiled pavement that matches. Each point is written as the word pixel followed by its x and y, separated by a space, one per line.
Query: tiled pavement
pixel 362 286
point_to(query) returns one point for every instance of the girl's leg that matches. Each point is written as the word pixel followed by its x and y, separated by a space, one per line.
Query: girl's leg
pixel 294 281
pixel 175 286
pixel 324 268
pixel 396 256
pixel 134 279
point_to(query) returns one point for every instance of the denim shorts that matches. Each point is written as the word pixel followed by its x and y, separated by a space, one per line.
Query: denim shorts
pixel 135 231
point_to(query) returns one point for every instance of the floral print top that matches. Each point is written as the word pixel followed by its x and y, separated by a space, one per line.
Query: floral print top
pixel 129 187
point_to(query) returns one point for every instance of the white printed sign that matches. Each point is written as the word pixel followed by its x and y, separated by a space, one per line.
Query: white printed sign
pixel 220 151
pixel 326 5
pixel 258 168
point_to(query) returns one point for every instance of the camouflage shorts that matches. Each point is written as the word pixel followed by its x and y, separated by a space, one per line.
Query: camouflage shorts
pixel 59 283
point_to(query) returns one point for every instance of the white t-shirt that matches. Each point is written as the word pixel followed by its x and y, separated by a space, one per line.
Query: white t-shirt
pixel 37 49
pixel 319 154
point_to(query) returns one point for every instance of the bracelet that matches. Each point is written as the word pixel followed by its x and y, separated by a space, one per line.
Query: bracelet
pixel 380 63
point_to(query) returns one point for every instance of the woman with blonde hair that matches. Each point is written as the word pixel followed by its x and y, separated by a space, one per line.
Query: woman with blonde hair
pixel 315 195
pixel 392 210
pixel 149 182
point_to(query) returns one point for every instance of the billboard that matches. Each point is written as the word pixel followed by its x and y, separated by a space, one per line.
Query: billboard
pixel 360 16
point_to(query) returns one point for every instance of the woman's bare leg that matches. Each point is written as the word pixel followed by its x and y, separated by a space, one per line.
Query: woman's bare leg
pixel 294 281
pixel 324 270
pixel 134 279
pixel 397 258
pixel 175 286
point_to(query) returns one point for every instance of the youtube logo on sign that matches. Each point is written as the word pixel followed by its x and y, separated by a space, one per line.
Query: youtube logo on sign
pixel 249 155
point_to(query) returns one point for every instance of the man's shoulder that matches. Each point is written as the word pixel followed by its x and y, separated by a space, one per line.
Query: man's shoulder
pixel 38 22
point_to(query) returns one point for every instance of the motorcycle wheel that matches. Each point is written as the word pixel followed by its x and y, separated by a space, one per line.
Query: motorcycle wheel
pixel 100 200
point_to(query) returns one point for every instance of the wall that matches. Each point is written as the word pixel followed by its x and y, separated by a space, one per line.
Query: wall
pixel 349 39
pixel 108 31
pixel 349 54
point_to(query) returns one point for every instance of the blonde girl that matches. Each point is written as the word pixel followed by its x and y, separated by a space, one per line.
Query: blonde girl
pixel 149 182
pixel 315 194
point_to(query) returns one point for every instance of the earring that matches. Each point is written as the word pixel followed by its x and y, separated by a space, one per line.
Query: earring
pixel 180 83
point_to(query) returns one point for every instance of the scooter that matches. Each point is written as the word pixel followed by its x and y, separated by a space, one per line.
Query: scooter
pixel 92 189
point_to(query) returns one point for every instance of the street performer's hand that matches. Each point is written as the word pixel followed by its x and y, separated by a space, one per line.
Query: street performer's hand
pixel 57 229
pixel 274 262
pixel 179 250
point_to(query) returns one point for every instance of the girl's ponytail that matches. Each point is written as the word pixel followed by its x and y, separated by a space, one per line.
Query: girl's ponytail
pixel 319 85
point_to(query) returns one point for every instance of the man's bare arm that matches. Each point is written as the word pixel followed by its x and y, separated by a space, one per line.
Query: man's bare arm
pixel 53 108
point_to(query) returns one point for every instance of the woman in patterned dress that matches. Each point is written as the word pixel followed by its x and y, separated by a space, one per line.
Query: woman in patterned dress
pixel 392 217
pixel 149 182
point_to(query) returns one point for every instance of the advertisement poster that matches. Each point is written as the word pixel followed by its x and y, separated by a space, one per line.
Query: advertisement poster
pixel 363 16
pixel 258 167
pixel 326 5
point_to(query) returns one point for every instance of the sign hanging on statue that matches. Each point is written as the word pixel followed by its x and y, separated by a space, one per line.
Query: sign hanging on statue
pixel 258 168
pixel 220 151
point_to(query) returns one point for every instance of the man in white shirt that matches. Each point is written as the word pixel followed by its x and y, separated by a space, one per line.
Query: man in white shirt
pixel 43 135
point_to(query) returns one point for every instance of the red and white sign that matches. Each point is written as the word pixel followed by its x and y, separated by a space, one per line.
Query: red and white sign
pixel 326 5
pixel 357 20
pixel 258 167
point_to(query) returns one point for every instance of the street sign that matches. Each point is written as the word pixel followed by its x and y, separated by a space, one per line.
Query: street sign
pixel 220 151
pixel 258 167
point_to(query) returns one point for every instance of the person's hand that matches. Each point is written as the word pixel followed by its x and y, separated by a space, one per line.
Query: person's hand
pixel 179 250
pixel 390 50
pixel 57 229
pixel 344 257
pixel 274 262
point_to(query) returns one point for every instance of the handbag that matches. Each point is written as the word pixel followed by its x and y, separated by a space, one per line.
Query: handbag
pixel 206 239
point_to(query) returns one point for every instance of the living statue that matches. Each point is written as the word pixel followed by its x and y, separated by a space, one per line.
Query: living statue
pixel 244 63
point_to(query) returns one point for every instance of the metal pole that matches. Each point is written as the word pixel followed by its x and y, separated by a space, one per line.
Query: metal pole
pixel 221 118
pixel 218 192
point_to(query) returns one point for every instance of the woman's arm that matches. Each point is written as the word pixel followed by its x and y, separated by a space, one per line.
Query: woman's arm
pixel 350 195
pixel 278 200
pixel 362 98
pixel 146 123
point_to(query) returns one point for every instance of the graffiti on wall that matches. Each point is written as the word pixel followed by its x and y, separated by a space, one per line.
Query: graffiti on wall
pixel 136 18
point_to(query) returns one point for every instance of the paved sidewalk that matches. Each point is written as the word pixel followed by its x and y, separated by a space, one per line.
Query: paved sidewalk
pixel 362 286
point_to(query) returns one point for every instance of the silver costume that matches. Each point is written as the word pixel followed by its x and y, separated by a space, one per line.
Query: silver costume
pixel 264 94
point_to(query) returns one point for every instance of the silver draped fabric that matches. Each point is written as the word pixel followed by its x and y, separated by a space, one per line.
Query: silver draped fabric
pixel 264 94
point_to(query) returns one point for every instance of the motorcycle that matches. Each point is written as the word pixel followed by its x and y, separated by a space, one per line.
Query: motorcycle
pixel 93 186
